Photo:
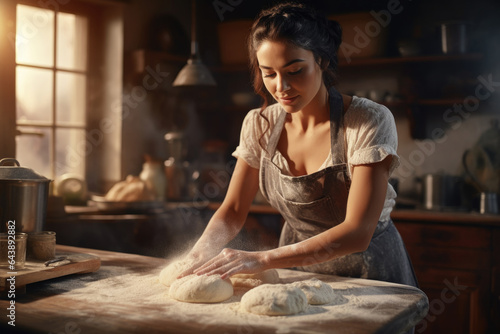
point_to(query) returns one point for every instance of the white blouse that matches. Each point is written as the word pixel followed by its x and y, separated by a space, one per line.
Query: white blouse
pixel 370 132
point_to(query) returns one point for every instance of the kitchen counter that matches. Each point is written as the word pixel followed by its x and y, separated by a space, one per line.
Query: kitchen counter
pixel 459 217
pixel 124 296
pixel 446 217
pixel 421 215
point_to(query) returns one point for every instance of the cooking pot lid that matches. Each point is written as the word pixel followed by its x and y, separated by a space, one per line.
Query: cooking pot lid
pixel 18 173
pixel 489 141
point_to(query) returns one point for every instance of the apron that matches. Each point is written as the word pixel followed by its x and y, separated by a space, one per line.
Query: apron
pixel 314 203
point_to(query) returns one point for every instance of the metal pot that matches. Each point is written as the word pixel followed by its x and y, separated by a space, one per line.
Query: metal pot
pixel 454 38
pixel 442 192
pixel 23 197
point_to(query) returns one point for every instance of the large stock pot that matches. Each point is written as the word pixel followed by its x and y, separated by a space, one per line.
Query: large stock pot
pixel 442 192
pixel 23 197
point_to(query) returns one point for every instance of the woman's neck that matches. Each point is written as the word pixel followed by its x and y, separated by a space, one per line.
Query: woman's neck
pixel 315 113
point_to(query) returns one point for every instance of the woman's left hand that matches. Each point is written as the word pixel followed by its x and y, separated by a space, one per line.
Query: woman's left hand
pixel 231 261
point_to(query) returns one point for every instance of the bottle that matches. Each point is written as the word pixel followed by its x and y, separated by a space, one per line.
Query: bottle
pixel 153 175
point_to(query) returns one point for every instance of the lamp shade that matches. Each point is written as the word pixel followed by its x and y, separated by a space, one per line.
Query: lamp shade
pixel 194 73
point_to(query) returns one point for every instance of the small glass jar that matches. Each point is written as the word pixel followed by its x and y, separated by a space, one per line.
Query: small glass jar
pixel 41 246
pixel 13 250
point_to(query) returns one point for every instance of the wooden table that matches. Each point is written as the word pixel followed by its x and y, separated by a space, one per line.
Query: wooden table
pixel 124 296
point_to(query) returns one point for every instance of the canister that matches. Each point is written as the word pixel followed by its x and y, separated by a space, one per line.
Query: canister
pixel 41 246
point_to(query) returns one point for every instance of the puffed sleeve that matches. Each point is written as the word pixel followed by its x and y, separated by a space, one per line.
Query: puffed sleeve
pixel 371 135
pixel 249 148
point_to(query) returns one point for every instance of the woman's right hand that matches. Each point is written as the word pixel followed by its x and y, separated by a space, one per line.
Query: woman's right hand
pixel 195 260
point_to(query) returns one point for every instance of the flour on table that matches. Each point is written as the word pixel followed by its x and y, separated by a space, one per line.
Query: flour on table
pixel 170 273
pixel 115 290
pixel 201 289
pixel 317 292
pixel 270 276
pixel 274 299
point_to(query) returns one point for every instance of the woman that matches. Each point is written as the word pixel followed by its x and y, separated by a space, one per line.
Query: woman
pixel 321 158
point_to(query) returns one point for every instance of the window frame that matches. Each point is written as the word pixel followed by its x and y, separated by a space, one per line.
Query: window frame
pixel 53 125
pixel 104 85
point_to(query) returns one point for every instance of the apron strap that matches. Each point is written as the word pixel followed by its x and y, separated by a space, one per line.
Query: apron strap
pixel 276 133
pixel 337 127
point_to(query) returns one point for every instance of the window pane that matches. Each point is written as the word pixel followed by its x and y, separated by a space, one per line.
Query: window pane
pixel 70 98
pixel 33 151
pixel 71 42
pixel 34 94
pixel 35 36
pixel 71 150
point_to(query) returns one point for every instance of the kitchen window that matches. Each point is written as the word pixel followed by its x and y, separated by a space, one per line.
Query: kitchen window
pixel 51 79
pixel 61 83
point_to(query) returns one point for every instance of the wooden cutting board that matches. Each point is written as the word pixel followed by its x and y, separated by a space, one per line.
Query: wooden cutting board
pixel 37 271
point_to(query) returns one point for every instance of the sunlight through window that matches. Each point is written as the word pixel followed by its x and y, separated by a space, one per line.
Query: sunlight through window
pixel 51 79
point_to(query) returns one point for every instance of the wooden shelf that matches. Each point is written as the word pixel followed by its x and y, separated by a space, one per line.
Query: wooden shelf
pixel 447 102
pixel 403 60
pixel 370 61
pixel 442 102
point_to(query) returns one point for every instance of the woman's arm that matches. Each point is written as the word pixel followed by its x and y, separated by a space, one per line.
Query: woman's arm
pixel 364 206
pixel 228 220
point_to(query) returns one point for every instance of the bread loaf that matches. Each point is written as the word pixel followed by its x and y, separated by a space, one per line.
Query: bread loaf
pixel 133 189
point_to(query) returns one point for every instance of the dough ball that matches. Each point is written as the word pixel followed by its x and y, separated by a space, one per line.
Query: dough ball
pixel 253 280
pixel 201 289
pixel 316 291
pixel 170 273
pixel 274 299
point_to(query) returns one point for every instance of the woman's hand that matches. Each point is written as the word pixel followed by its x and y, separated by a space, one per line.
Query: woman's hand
pixel 195 261
pixel 232 261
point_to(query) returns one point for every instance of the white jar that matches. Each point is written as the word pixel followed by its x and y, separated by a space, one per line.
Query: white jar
pixel 153 174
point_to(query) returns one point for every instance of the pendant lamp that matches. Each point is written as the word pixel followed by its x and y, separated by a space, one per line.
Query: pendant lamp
pixel 194 73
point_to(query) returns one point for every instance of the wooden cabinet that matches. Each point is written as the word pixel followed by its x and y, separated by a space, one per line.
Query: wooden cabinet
pixel 457 266
pixel 495 282
pixel 426 80
pixel 423 87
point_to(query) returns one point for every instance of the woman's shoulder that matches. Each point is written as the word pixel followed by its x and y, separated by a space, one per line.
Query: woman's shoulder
pixel 254 133
pixel 363 110
pixel 267 117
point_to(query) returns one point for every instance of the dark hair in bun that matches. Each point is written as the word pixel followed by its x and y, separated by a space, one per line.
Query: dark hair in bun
pixel 301 26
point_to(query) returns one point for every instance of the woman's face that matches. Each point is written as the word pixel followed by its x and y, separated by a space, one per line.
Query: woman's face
pixel 290 74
